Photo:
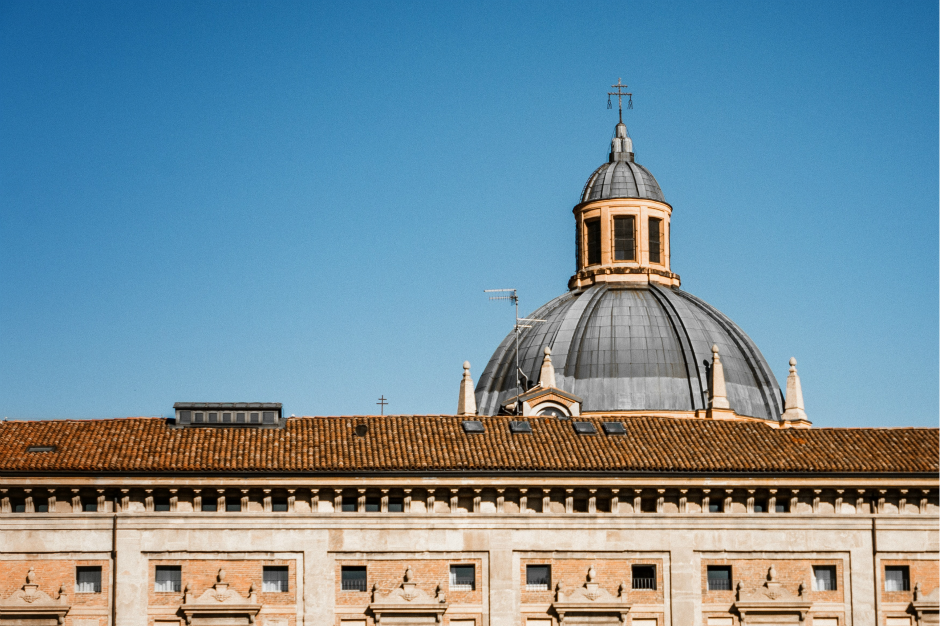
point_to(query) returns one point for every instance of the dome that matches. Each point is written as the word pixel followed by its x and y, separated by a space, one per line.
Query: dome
pixel 621 176
pixel 634 347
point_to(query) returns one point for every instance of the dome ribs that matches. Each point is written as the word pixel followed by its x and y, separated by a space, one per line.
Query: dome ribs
pixel 405 443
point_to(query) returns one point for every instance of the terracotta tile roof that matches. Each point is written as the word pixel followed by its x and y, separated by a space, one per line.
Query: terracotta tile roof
pixel 438 443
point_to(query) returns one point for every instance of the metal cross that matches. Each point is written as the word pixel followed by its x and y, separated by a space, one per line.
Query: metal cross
pixel 620 93
pixel 382 402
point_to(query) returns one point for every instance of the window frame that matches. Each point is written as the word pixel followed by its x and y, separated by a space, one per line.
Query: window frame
pixel 634 577
pixel 175 583
pixel 80 569
pixel 589 223
pixel 452 577
pixel 660 253
pixel 613 233
pixel 540 586
pixel 715 568
pixel 905 580
pixel 832 580
pixel 350 569
pixel 277 581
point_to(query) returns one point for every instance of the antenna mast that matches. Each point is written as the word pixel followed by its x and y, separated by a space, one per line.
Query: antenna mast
pixel 517 329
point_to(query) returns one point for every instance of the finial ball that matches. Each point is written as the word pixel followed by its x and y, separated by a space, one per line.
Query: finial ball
pixel 715 348
pixel 793 361
pixel 547 351
pixel 466 365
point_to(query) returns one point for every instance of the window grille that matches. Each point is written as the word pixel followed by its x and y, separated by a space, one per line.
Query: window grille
pixel 538 577
pixel 719 578
pixel 824 578
pixel 644 577
pixel 655 239
pixel 897 578
pixel 353 578
pixel 624 241
pixel 168 579
pixel 462 577
pixel 593 241
pixel 274 579
pixel 88 579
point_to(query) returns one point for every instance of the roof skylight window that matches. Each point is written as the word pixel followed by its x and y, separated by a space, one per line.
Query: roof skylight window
pixel 584 428
pixel 473 427
pixel 40 449
pixel 518 427
pixel 614 428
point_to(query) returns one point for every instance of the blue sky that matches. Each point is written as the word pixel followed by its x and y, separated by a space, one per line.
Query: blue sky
pixel 303 203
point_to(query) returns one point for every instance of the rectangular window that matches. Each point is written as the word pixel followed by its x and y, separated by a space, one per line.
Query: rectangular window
pixel 197 418
pixel 760 505
pixel 781 506
pixel 350 504
pixel 647 505
pixel 168 579
pixel 88 579
pixel 90 504
pixel 210 504
pixel 255 418
pixel 593 228
pixel 373 504
pixel 269 417
pixel 213 418
pixel 396 505
pixel 354 578
pixel 715 506
pixel 824 578
pixel 279 504
pixel 897 578
pixel 644 577
pixel 274 579
pixel 624 239
pixel 656 240
pixel 719 578
pixel 226 418
pixel 17 505
pixel 538 577
pixel 462 577
pixel 161 503
pixel 233 505
pixel 41 505
pixel 580 505
pixel 239 418
pixel 602 505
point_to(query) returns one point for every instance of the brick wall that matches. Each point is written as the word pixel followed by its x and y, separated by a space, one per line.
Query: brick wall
pixel 921 571
pixel 50 574
pixel 790 572
pixel 428 573
pixel 200 575
pixel 610 573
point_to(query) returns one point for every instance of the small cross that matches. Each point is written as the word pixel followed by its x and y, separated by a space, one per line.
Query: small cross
pixel 382 402
pixel 620 93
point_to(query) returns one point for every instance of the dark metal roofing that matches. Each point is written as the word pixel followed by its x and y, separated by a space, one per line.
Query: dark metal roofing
pixel 227 405
pixel 634 347
pixel 621 179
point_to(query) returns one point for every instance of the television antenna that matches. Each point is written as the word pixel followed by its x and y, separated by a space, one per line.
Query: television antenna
pixel 521 322
pixel 383 401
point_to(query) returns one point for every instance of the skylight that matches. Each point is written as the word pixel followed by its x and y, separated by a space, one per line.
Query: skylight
pixel 584 428
pixel 472 427
pixel 517 427
pixel 614 428
pixel 40 449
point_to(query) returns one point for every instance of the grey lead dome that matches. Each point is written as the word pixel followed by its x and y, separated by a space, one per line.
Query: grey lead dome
pixel 621 176
pixel 635 347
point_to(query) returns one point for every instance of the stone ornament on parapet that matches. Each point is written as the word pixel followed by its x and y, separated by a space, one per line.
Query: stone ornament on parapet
pixel 31 603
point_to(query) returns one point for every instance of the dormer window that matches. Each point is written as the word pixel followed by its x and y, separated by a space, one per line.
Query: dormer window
pixel 656 240
pixel 229 414
pixel 624 239
pixel 593 228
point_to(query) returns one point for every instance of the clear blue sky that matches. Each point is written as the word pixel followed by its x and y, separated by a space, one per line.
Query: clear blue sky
pixel 303 203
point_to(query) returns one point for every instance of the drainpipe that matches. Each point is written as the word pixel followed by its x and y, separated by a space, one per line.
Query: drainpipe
pixel 114 570
pixel 874 564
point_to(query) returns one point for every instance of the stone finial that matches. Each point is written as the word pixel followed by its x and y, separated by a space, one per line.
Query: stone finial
pixel 917 591
pixel 622 589
pixel 547 373
pixel 592 574
pixel 793 407
pixel 31 577
pixel 220 577
pixel 738 589
pixel 466 402
pixel 409 574
pixel 772 574
pixel 718 395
